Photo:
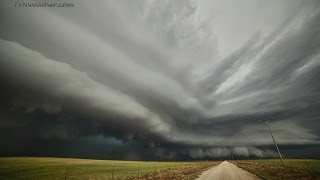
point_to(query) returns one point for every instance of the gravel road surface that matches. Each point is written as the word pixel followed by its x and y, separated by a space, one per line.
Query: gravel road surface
pixel 226 171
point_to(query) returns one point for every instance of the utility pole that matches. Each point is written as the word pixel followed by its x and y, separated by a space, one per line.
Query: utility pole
pixel 274 141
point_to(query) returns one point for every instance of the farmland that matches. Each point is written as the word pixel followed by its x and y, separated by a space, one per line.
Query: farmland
pixel 273 169
pixel 68 168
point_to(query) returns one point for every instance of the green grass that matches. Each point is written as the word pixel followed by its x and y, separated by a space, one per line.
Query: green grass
pixel 56 168
pixel 273 169
pixel 307 164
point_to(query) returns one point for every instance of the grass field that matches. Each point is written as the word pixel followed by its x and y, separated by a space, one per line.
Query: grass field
pixel 309 164
pixel 68 168
pixel 273 169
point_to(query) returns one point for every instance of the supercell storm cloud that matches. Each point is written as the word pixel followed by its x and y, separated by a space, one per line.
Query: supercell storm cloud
pixel 159 79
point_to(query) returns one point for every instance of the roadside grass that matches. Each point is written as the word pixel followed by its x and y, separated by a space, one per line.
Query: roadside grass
pixel 308 164
pixel 273 169
pixel 188 173
pixel 69 168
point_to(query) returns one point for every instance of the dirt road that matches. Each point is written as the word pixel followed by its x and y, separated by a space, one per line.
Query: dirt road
pixel 226 171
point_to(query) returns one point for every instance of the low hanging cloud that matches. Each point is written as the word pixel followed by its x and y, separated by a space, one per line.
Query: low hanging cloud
pixel 64 84
pixel 181 79
pixel 200 153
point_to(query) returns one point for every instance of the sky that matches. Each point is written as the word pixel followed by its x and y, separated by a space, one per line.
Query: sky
pixel 164 80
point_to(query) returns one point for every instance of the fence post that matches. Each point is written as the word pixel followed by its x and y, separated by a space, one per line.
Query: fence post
pixel 306 163
pixel 66 176
pixel 112 172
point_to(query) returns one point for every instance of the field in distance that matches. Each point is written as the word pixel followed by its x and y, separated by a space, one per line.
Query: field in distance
pixel 69 168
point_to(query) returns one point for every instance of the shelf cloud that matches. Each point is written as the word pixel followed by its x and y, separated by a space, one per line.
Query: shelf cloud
pixel 159 79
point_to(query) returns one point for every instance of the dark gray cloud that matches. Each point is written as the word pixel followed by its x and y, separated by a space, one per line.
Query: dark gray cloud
pixel 167 79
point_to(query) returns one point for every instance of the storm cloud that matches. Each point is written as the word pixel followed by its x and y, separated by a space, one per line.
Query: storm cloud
pixel 159 79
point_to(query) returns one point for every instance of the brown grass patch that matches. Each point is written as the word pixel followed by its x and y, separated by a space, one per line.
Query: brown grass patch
pixel 277 172
pixel 186 173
